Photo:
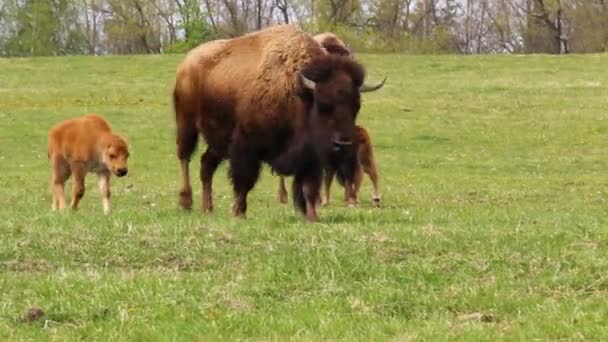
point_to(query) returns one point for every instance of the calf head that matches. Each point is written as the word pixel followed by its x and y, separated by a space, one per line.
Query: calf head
pixel 114 154
pixel 333 86
pixel 332 44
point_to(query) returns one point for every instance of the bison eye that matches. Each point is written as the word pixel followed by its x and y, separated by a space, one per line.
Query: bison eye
pixel 325 108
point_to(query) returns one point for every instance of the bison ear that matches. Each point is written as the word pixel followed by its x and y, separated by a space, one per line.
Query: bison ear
pixel 317 72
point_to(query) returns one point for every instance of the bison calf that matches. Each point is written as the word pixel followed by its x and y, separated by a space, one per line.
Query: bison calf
pixel 81 145
pixel 349 171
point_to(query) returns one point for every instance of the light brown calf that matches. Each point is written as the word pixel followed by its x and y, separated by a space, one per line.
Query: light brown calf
pixel 81 145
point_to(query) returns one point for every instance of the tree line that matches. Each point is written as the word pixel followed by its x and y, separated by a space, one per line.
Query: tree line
pixel 65 27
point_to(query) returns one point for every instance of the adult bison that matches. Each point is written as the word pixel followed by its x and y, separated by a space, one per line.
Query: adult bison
pixel 348 163
pixel 269 96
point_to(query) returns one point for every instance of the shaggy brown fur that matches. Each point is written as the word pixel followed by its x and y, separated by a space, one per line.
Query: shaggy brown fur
pixel 81 145
pixel 248 99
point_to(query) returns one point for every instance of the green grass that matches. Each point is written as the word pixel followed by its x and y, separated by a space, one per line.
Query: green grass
pixel 493 173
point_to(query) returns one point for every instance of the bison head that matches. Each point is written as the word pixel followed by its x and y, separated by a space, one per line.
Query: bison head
pixel 332 87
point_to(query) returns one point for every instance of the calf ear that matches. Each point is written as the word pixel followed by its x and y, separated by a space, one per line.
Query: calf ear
pixel 126 141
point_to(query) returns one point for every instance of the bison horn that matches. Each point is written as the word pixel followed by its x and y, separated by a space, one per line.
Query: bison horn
pixel 307 82
pixel 366 87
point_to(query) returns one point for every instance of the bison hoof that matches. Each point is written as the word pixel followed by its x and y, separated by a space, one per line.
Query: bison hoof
pixel 185 199
pixel 312 218
pixel 376 201
pixel 352 202
pixel 282 198
pixel 240 215
pixel 238 211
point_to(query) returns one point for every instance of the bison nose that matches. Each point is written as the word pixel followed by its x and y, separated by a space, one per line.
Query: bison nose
pixel 121 172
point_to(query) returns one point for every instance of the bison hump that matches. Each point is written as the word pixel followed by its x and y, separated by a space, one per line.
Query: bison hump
pixel 283 55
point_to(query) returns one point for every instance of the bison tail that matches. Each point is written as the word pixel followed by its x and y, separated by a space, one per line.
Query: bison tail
pixel 187 134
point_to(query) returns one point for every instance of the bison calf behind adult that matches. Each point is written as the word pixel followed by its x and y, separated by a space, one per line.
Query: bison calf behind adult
pixel 270 96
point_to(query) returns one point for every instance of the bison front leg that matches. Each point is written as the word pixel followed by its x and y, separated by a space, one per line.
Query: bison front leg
pixel 244 173
pixel 306 190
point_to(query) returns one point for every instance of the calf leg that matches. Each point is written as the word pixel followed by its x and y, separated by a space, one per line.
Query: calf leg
pixel 349 168
pixel 104 188
pixel 282 193
pixel 244 172
pixel 349 193
pixel 356 185
pixel 329 178
pixel 209 163
pixel 373 175
pixel 60 171
pixel 78 172
pixel 365 153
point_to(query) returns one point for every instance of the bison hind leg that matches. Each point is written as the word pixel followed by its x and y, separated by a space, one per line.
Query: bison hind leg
pixel 187 139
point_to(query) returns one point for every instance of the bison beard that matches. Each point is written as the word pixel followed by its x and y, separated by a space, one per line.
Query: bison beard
pixel 305 163
pixel 344 167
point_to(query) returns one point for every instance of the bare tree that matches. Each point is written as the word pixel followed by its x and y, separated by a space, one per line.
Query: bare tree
pixel 283 7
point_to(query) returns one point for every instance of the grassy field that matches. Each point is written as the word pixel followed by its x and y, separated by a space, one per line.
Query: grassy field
pixel 493 173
